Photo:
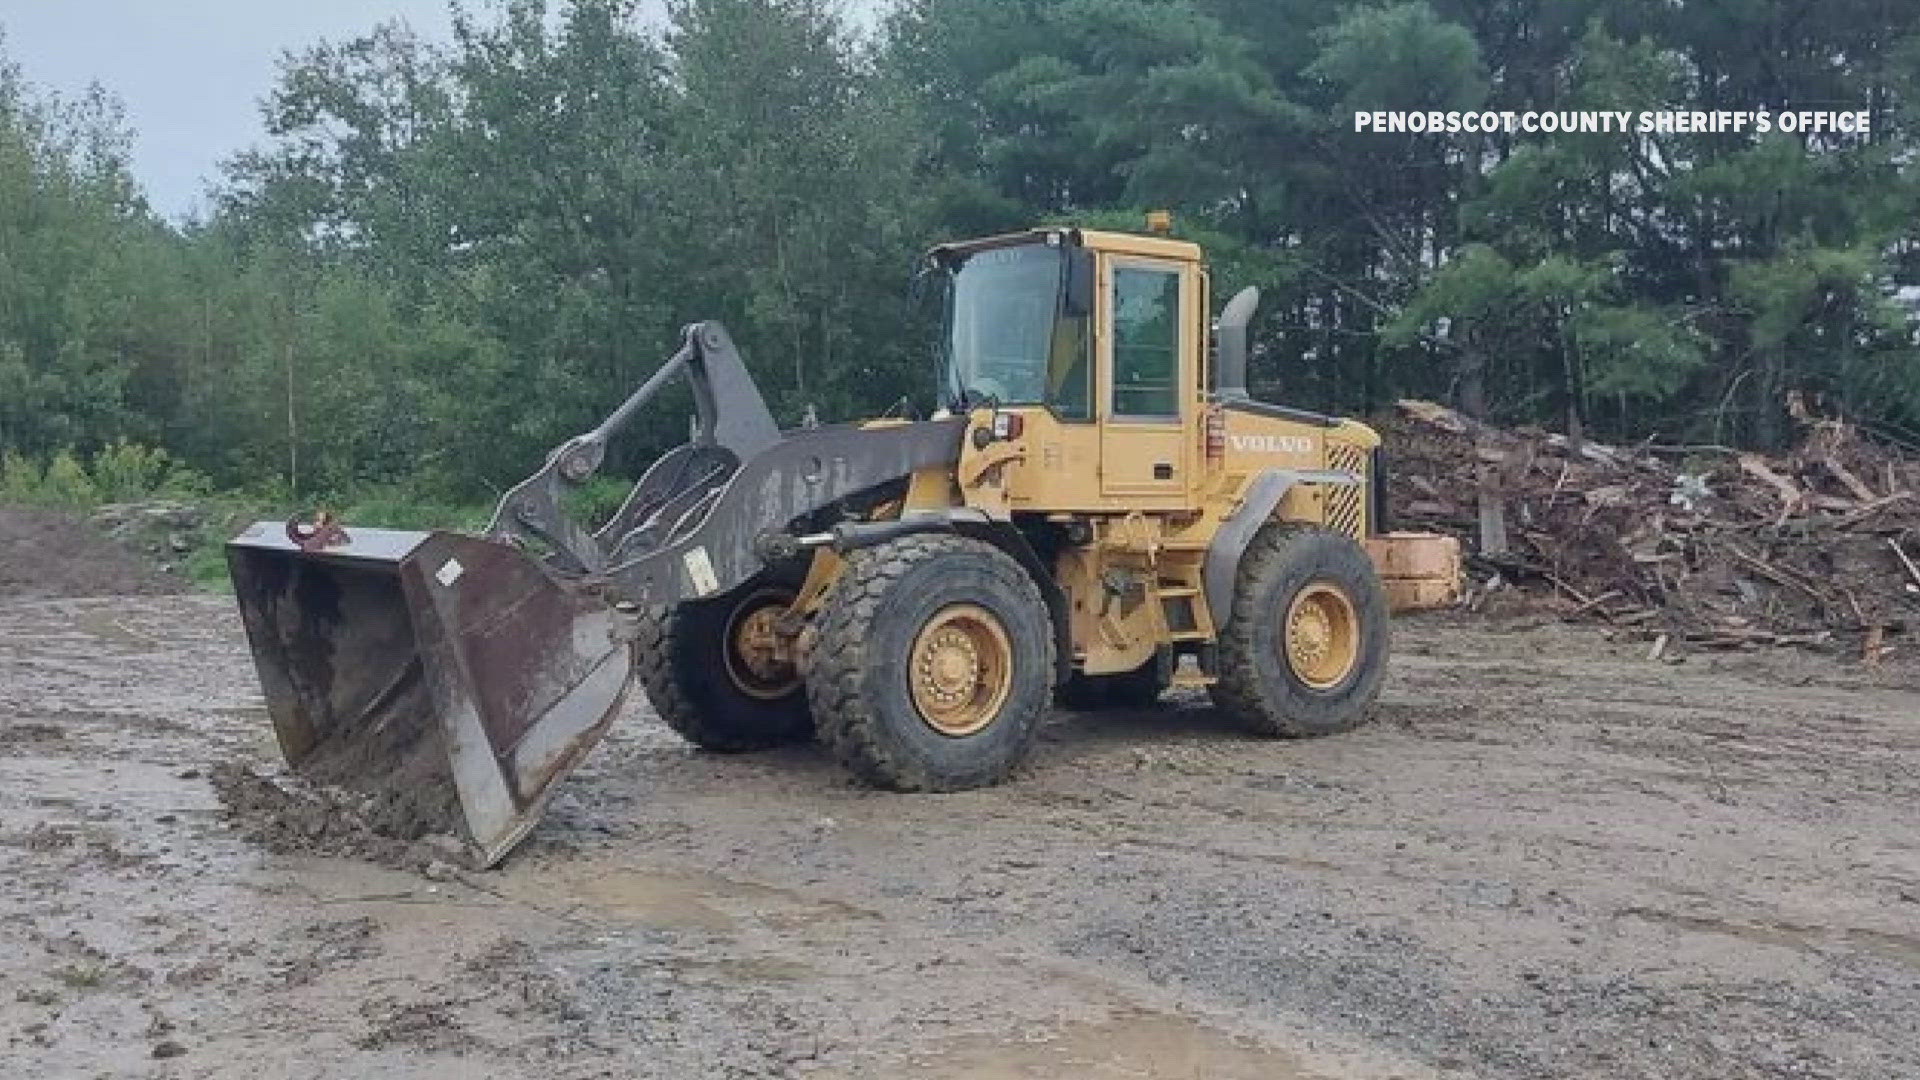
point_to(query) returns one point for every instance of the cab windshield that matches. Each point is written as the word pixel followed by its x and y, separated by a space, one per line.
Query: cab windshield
pixel 1008 340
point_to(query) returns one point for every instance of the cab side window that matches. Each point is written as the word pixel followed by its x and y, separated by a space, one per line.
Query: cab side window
pixel 1146 342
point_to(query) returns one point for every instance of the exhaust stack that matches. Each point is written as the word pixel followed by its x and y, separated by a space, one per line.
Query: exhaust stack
pixel 1230 351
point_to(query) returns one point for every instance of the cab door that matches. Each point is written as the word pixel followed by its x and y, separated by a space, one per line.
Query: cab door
pixel 1146 368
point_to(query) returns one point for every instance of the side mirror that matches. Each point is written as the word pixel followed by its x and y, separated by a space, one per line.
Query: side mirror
pixel 1077 290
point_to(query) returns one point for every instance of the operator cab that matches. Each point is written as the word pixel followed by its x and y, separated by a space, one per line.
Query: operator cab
pixel 1098 336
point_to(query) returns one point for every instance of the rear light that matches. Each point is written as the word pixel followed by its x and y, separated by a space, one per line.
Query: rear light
pixel 1008 425
pixel 1216 433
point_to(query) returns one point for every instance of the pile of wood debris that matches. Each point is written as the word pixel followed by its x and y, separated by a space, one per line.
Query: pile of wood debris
pixel 1706 544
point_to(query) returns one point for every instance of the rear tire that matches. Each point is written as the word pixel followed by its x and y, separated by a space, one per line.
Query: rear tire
pixel 710 692
pixel 932 664
pixel 1305 647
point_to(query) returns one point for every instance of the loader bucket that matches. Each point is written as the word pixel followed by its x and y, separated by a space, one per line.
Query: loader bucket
pixel 447 678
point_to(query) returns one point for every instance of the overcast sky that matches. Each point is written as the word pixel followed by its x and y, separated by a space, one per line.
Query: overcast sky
pixel 192 72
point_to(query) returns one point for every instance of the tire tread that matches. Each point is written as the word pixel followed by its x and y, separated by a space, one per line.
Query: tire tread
pixel 845 715
pixel 1240 690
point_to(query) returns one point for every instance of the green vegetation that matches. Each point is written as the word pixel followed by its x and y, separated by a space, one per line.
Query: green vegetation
pixel 118 472
pixel 87 976
pixel 445 259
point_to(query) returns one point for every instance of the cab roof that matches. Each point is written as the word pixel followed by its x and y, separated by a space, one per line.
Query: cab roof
pixel 1115 242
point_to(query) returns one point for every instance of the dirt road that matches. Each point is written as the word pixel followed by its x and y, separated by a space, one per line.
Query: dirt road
pixel 1547 858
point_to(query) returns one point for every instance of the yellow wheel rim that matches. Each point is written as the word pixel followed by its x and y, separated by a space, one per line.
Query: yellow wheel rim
pixel 1321 638
pixel 961 669
pixel 756 661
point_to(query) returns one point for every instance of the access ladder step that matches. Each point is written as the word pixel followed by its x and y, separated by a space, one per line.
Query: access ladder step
pixel 1179 603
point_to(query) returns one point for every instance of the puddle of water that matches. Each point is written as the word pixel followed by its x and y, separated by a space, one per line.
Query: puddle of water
pixel 106 627
pixel 1903 948
pixel 1788 937
pixel 1132 1046
pixel 1900 948
pixel 123 787
pixel 654 899
pixel 743 970
pixel 678 901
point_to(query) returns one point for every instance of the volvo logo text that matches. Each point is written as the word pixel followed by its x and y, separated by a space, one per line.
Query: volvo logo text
pixel 1272 444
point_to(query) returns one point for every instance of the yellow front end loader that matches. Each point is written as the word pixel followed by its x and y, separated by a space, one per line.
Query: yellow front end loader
pixel 1098 511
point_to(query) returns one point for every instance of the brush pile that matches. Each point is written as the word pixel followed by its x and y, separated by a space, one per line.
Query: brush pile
pixel 1707 544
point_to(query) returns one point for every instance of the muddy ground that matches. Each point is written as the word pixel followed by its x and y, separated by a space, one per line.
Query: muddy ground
pixel 45 552
pixel 1548 857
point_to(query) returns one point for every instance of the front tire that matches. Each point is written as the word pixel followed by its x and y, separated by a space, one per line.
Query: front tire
pixel 932 664
pixel 1305 647
pixel 704 667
